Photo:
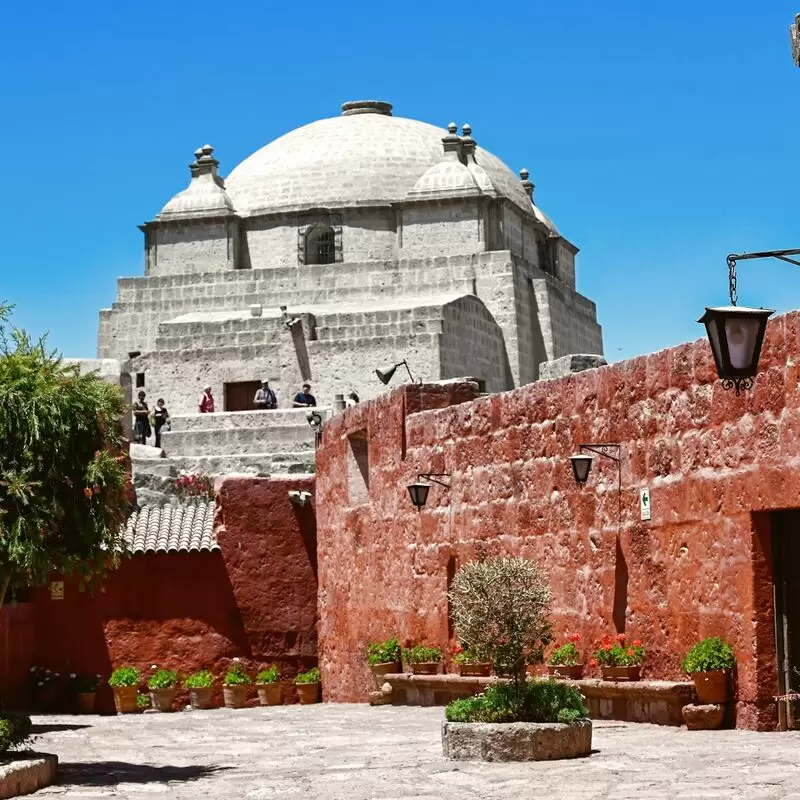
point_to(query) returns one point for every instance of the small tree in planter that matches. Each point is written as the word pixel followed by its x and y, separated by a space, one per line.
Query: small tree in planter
pixel 422 659
pixel 162 685
pixel 125 682
pixel 236 685
pixel 618 659
pixel 308 686
pixel 268 686
pixel 201 688
pixel 383 658
pixel 565 661
pixel 502 605
pixel 710 663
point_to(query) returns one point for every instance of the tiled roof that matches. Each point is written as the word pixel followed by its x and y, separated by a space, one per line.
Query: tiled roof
pixel 182 528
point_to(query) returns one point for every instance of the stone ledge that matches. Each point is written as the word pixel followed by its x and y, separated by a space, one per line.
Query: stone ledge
pixel 516 741
pixel 26 773
pixel 659 702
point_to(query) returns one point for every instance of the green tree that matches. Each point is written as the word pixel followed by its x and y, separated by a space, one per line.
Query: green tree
pixel 62 466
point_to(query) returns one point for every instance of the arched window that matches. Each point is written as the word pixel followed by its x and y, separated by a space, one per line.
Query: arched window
pixel 320 245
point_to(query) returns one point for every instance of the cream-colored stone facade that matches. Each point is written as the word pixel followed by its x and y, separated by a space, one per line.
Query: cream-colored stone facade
pixel 385 238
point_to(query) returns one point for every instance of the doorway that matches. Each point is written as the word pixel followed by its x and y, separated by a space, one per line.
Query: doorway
pixel 239 396
pixel 786 582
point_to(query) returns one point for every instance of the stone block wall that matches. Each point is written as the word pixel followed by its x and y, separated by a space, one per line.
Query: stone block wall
pixel 716 466
pixel 191 247
pixel 432 228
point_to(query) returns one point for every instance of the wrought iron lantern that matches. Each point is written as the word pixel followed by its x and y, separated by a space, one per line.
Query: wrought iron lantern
pixel 581 466
pixel 419 491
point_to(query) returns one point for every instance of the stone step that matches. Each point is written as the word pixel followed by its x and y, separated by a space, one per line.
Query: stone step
pixel 379 330
pixel 209 341
pixel 234 420
pixel 288 463
pixel 380 316
pixel 238 441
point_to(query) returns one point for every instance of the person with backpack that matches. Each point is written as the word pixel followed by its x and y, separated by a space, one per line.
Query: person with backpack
pixel 265 398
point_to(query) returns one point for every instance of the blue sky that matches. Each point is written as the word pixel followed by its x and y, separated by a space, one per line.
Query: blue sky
pixel 660 137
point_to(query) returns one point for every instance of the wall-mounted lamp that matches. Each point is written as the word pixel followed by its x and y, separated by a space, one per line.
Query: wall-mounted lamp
pixel 288 321
pixel 387 373
pixel 298 497
pixel 582 464
pixel 419 490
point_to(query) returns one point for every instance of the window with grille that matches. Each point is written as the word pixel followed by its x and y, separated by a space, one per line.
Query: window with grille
pixel 320 243
pixel 326 247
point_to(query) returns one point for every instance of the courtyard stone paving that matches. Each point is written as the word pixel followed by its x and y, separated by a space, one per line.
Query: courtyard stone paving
pixel 355 752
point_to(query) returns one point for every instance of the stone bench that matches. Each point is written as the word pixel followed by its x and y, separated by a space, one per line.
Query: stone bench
pixel 658 702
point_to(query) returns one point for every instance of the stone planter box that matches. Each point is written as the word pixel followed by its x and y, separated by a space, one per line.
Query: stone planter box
pixel 516 741
pixel 26 773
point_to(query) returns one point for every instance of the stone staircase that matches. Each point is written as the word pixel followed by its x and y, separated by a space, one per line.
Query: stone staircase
pixel 226 443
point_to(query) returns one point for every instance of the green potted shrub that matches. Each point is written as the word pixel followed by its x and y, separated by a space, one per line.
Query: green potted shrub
pixel 162 685
pixel 236 685
pixel 565 661
pixel 143 702
pixel 709 664
pixel 268 686
pixel 201 689
pixel 83 689
pixel 383 658
pixel 307 684
pixel 619 660
pixel 422 659
pixel 15 730
pixel 125 683
pixel 473 662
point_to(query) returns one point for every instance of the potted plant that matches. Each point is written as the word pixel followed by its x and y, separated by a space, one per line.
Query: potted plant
pixel 709 664
pixel 268 686
pixel 383 658
pixel 44 688
pixel 236 685
pixel 143 702
pixel 84 691
pixel 422 659
pixel 565 660
pixel 201 689
pixel 618 660
pixel 308 686
pixel 162 686
pixel 473 662
pixel 125 682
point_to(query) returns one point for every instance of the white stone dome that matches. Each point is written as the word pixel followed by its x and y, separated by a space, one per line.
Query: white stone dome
pixel 364 157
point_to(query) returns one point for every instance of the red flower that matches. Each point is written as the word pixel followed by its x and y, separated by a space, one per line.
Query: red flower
pixel 574 637
pixel 87 492
pixel 607 647
pixel 96 489
pixel 592 662
pixel 620 637
pixel 458 649
pixel 630 652
pixel 637 642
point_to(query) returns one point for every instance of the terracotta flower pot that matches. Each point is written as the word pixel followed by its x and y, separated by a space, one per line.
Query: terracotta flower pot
pixel 379 670
pixel 202 697
pixel 712 688
pixel 425 668
pixel 46 697
pixel 622 673
pixel 235 696
pixel 476 670
pixel 86 702
pixel 161 699
pixel 573 672
pixel 125 699
pixel 308 693
pixel 269 694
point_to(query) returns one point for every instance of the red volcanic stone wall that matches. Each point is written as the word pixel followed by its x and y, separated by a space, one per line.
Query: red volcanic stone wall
pixel 715 463
pixel 255 600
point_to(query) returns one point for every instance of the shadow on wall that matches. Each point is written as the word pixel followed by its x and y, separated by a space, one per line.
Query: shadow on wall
pixel 307 523
pixel 620 589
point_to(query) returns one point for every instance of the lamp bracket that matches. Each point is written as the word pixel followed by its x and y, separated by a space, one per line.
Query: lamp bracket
pixel 734 257
pixel 609 450
pixel 433 477
pixel 404 363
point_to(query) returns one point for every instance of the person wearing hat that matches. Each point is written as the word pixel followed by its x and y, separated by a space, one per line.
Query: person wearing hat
pixel 206 401
pixel 265 398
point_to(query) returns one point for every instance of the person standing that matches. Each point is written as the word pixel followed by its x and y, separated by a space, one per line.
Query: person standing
pixel 265 398
pixel 160 419
pixel 304 399
pixel 141 420
pixel 206 401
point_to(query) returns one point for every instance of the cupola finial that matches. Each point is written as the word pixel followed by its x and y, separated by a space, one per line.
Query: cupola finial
pixel 468 144
pixel 527 184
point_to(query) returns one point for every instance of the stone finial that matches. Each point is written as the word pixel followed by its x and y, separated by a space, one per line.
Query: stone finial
pixel 527 185
pixel 205 164
pixel 452 128
pixel 452 142
pixel 468 144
